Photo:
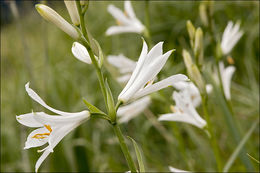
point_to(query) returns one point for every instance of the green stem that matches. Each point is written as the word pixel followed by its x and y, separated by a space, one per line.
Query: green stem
pixel 86 42
pixel 124 148
pixel 212 138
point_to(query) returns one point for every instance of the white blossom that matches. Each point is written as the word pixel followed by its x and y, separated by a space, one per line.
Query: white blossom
pixel 127 22
pixel 50 128
pixel 184 111
pixel 148 66
pixel 81 53
pixel 230 37
pixel 175 170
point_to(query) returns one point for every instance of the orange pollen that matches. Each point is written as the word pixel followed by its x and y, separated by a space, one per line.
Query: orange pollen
pixel 118 22
pixel 43 135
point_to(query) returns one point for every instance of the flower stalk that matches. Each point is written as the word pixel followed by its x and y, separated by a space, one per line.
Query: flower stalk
pixel 86 42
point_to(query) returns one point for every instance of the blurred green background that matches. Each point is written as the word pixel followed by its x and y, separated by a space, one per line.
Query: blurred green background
pixel 36 51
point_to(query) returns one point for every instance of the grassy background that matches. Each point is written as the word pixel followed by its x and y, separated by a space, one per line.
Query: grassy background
pixel 36 51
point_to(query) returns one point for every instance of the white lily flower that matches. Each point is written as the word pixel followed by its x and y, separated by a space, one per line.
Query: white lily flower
pixel 73 11
pixel 130 111
pixel 184 111
pixel 81 53
pixel 147 67
pixel 175 170
pixel 125 65
pixel 226 76
pixel 52 16
pixel 193 91
pixel 50 129
pixel 230 37
pixel 127 21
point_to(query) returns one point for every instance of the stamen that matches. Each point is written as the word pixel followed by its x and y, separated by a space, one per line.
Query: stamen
pixel 118 22
pixel 43 135
pixel 172 108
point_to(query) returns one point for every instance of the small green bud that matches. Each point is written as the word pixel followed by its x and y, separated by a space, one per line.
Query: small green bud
pixel 203 13
pixel 197 78
pixel 198 47
pixel 191 31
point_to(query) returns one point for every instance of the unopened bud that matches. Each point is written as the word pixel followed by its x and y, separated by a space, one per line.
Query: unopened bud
pixel 191 31
pixel 187 60
pixel 197 78
pixel 52 16
pixel 73 11
pixel 198 47
pixel 203 14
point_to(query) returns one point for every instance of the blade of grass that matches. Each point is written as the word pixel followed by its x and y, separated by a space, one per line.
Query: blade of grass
pixel 239 147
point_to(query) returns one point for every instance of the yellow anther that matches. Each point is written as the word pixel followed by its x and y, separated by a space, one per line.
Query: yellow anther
pixel 43 135
pixel 48 127
pixel 193 97
pixel 125 13
pixel 118 22
pixel 230 60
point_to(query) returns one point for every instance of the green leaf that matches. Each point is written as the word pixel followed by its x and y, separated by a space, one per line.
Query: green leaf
pixel 240 146
pixel 138 155
pixel 92 108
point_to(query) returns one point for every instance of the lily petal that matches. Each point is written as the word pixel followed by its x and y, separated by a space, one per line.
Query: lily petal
pixel 129 9
pixel 35 142
pixel 118 14
pixel 122 29
pixel 131 110
pixel 160 85
pixel 28 120
pixel 38 99
pixel 41 159
pixel 124 64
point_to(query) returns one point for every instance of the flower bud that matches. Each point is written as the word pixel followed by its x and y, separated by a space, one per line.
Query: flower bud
pixel 203 14
pixel 191 31
pixel 73 11
pixel 187 60
pixel 52 16
pixel 198 46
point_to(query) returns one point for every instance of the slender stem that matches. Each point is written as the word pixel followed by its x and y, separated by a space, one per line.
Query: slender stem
pixel 124 148
pixel 212 138
pixel 86 43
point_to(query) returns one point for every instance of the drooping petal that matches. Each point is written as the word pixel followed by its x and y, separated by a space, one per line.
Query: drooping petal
pixel 81 53
pixel 131 110
pixel 226 80
pixel 28 120
pixel 137 69
pixel 33 141
pixel 41 159
pixel 129 9
pixel 175 170
pixel 37 98
pixel 122 29
pixel 160 85
pixel 52 119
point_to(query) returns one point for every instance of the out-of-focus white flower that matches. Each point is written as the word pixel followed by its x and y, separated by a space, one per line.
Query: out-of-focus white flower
pixel 226 76
pixel 193 91
pixel 81 53
pixel 73 11
pixel 128 112
pixel 50 129
pixel 184 111
pixel 175 170
pixel 147 67
pixel 127 22
pixel 125 65
pixel 52 16
pixel 230 37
